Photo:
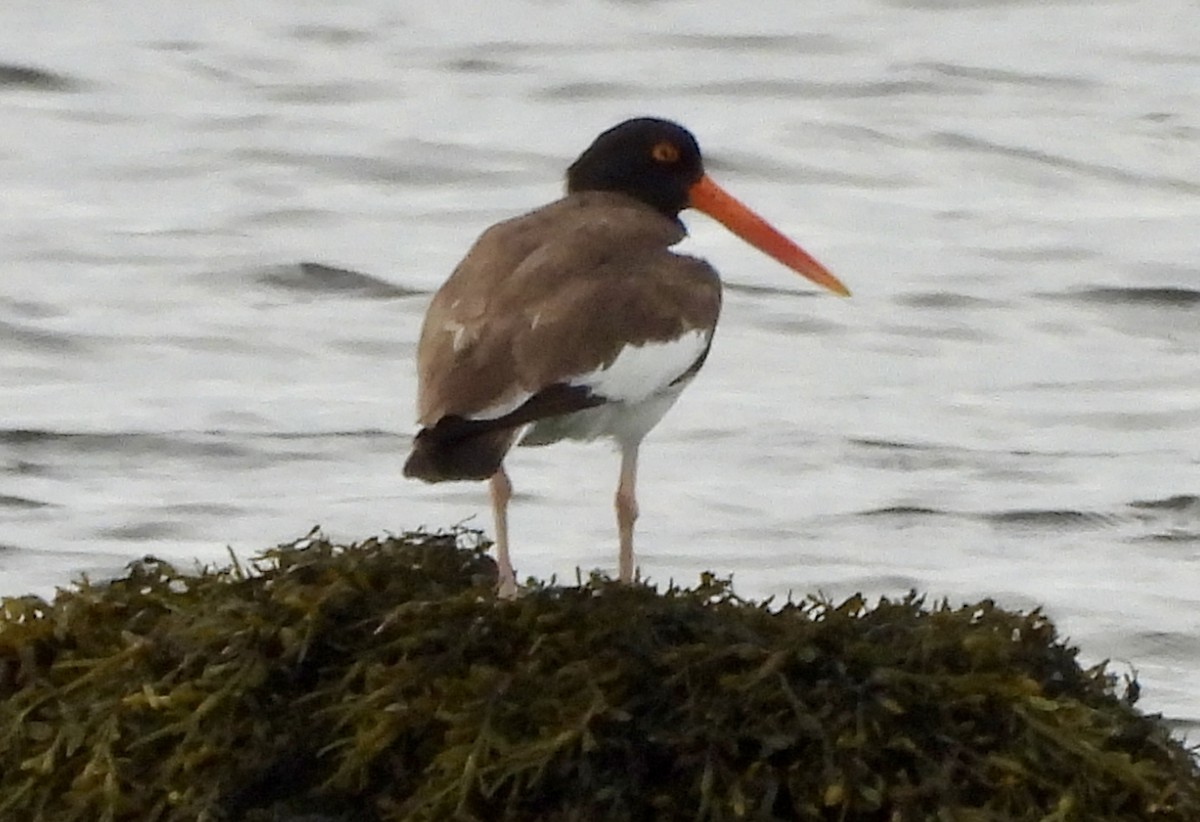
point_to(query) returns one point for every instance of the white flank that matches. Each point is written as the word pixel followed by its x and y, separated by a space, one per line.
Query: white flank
pixel 641 371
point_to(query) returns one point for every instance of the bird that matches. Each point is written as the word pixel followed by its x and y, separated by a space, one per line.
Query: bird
pixel 576 321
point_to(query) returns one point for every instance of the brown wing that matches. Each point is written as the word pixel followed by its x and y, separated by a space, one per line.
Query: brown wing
pixel 554 294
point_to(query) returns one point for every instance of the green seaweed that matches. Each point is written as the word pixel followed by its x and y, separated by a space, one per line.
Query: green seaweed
pixel 384 681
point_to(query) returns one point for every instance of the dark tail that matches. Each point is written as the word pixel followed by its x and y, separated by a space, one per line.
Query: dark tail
pixel 458 448
pixel 440 456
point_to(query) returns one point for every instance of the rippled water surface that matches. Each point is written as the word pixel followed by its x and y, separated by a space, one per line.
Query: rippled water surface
pixel 220 226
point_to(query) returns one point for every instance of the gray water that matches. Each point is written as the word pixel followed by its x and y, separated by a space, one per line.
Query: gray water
pixel 220 225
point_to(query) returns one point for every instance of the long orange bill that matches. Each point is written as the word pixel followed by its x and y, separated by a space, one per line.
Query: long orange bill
pixel 707 196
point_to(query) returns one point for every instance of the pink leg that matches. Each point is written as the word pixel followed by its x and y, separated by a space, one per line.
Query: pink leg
pixel 500 490
pixel 627 511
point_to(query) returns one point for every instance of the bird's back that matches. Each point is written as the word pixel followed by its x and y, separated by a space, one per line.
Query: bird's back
pixel 553 294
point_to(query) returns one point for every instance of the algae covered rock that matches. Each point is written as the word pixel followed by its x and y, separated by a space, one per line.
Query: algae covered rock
pixel 384 681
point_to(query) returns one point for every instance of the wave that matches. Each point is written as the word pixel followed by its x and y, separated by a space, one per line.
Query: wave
pixel 1165 296
pixel 318 278
pixel 17 76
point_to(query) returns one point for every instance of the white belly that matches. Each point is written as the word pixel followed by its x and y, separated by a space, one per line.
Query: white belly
pixel 625 422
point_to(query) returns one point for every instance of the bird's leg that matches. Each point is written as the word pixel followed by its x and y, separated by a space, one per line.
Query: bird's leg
pixel 500 490
pixel 627 510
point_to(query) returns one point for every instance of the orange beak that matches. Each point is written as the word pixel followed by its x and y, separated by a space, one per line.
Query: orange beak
pixel 707 196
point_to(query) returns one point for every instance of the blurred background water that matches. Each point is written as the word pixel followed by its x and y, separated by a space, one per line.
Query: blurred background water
pixel 220 225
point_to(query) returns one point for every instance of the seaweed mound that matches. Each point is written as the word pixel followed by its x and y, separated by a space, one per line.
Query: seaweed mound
pixel 384 681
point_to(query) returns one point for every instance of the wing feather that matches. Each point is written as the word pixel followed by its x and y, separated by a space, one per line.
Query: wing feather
pixel 554 298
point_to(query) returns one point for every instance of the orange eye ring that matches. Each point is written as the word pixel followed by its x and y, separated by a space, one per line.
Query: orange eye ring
pixel 665 152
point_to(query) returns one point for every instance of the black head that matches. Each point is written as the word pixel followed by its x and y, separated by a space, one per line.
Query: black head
pixel 655 161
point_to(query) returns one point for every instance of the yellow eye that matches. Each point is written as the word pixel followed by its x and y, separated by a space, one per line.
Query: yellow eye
pixel 665 152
